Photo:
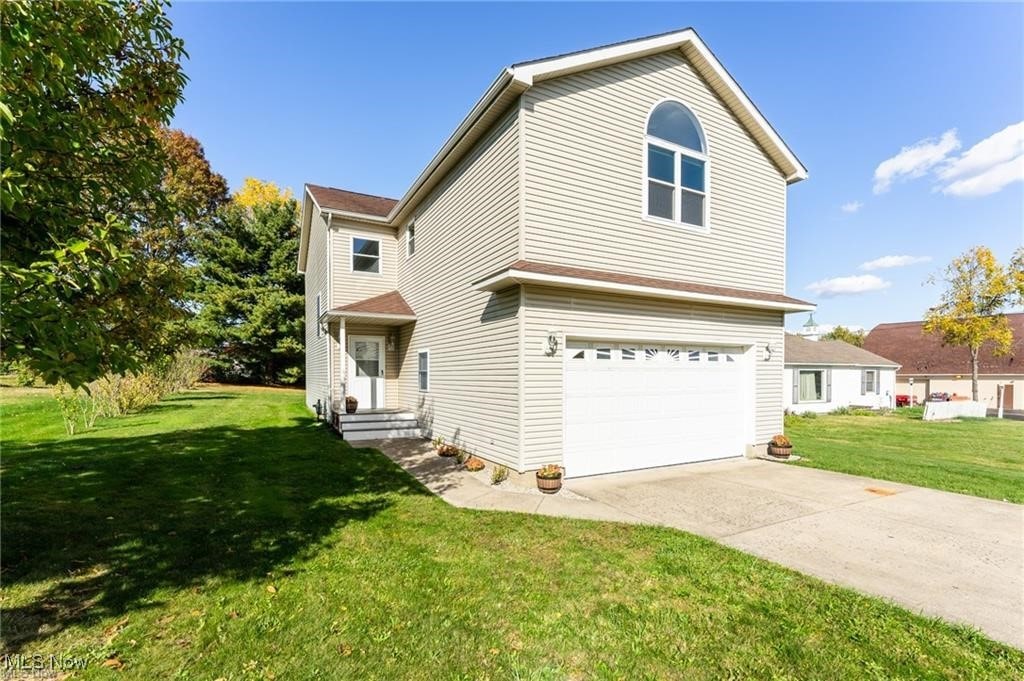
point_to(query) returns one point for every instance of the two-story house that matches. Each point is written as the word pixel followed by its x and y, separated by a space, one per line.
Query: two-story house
pixel 590 272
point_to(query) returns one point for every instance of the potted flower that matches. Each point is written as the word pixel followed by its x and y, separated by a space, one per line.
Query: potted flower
pixel 351 404
pixel 549 479
pixel 780 446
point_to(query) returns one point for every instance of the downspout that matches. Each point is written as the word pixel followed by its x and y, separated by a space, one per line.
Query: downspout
pixel 330 306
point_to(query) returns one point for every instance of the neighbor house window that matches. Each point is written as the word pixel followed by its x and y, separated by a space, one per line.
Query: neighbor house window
pixel 677 167
pixel 812 386
pixel 869 382
pixel 365 255
pixel 423 370
pixel 410 240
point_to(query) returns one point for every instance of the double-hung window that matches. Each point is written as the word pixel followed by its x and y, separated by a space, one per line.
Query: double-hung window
pixel 812 386
pixel 677 167
pixel 365 255
pixel 869 382
pixel 423 370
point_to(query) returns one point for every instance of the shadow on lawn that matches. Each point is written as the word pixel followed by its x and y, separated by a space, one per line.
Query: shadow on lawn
pixel 106 522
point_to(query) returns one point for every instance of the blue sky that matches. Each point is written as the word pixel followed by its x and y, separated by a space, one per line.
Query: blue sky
pixel 362 96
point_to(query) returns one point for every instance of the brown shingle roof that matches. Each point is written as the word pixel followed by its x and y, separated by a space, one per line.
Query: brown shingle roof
pixel 650 282
pixel 391 303
pixel 925 354
pixel 800 350
pixel 352 202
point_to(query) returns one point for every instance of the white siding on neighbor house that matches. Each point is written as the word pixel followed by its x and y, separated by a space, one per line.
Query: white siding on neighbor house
pixel 349 286
pixel 584 142
pixel 845 389
pixel 988 387
pixel 317 386
pixel 467 228
pixel 588 315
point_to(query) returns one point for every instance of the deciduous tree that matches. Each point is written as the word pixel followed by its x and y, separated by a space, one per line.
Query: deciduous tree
pixel 85 88
pixel 970 311
pixel 844 334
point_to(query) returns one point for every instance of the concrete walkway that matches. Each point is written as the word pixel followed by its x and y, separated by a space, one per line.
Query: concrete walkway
pixel 948 555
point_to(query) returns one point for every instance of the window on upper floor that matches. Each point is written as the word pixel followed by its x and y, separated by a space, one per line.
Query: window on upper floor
pixel 365 255
pixel 410 240
pixel 676 162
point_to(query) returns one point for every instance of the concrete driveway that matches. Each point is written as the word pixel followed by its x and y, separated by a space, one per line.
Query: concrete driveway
pixel 957 557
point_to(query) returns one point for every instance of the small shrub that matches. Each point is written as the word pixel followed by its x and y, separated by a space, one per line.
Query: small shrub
pixel 438 442
pixel 499 474
pixel 461 455
pixel 550 472
pixel 24 376
pixel 185 369
pixel 474 464
pixel 70 403
pixel 809 415
pixel 841 411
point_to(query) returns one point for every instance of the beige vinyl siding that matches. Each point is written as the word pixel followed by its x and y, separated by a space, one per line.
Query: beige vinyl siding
pixel 317 386
pixel 584 144
pixel 466 229
pixel 589 315
pixel 349 286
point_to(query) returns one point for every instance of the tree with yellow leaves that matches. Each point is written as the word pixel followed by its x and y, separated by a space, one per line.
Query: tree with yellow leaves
pixel 970 311
pixel 256 192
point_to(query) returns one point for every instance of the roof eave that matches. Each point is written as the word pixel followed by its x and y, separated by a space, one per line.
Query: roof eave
pixel 512 277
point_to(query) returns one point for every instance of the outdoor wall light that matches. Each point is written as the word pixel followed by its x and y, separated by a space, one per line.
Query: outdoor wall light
pixel 552 342
pixel 391 342
pixel 767 352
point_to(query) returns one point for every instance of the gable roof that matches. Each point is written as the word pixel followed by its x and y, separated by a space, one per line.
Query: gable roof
pixel 351 202
pixel 514 80
pixel 526 271
pixel 923 353
pixel 800 350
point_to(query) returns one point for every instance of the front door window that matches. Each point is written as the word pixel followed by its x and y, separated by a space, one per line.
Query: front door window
pixel 366 354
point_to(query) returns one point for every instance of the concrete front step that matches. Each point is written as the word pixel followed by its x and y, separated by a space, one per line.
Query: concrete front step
pixel 381 434
pixel 386 424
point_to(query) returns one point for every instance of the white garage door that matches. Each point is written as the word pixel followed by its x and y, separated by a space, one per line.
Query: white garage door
pixel 640 406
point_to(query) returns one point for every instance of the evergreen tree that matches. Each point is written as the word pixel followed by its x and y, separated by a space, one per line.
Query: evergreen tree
pixel 249 295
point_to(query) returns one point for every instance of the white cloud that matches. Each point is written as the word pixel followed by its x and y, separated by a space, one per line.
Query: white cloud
pixel 889 261
pixel 841 286
pixel 915 160
pixel 988 166
pixel 989 181
pixel 851 206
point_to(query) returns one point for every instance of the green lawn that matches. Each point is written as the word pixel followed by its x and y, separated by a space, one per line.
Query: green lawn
pixel 982 457
pixel 221 534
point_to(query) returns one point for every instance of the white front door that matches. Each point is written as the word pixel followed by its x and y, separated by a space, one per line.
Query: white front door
pixel 366 370
pixel 635 405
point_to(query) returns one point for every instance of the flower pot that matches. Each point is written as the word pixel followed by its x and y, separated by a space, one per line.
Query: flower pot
pixel 350 407
pixel 549 485
pixel 781 452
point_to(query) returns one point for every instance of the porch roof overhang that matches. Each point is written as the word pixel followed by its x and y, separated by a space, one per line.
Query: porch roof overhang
pixel 388 309
pixel 527 272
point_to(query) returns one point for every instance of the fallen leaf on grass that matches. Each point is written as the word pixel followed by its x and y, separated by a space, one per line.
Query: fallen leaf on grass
pixel 271 589
pixel 113 662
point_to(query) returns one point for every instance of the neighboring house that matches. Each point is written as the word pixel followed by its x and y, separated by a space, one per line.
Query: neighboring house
pixel 822 375
pixel 930 366
pixel 591 272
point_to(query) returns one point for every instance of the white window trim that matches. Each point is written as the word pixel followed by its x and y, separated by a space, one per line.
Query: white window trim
pixel 352 255
pixel 705 157
pixel 875 376
pixel 418 388
pixel 410 240
pixel 824 386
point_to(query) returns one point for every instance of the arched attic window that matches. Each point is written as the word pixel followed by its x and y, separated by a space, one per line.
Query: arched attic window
pixel 677 167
